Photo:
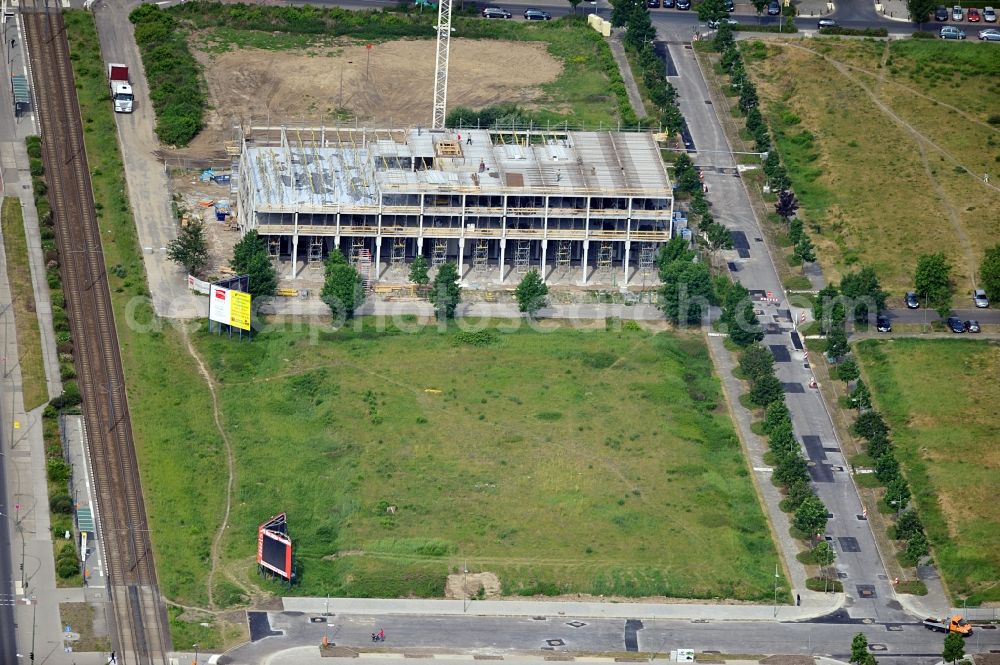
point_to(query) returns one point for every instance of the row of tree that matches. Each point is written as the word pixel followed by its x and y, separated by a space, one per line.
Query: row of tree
pixel 858 297
pixel 711 233
pixel 954 650
pixel 639 37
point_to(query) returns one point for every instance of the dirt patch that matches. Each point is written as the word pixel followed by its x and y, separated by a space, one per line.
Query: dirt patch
pixel 392 87
pixel 80 618
pixel 485 586
pixel 788 660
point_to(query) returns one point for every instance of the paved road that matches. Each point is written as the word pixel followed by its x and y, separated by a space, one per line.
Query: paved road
pixel 924 315
pixel 8 634
pixel 906 642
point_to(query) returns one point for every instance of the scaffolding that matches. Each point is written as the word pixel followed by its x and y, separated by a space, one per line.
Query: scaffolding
pixel 315 249
pixel 273 247
pixel 647 256
pixel 522 256
pixel 480 256
pixel 563 253
pixel 398 256
pixel 440 254
pixel 357 247
pixel 604 254
pixel 364 267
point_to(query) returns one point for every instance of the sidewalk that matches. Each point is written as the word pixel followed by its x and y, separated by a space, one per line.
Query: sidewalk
pixel 618 51
pixel 894 10
pixel 818 605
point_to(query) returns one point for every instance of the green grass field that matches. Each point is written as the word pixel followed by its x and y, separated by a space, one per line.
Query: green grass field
pixel 29 341
pixel 886 146
pixel 572 461
pixel 940 399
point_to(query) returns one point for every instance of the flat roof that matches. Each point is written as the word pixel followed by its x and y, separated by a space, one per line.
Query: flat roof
pixel 457 161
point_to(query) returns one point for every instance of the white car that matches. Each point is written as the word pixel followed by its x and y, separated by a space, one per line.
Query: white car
pixel 989 35
pixel 956 13
pixel 990 15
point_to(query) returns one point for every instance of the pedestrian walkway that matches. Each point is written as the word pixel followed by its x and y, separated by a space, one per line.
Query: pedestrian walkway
pixel 894 10
pixel 618 51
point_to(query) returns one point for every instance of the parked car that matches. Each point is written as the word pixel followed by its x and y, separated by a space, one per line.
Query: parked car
pixel 882 323
pixel 668 4
pixel 990 35
pixel 980 299
pixel 495 12
pixel 973 16
pixel 955 324
pixel 684 4
pixel 773 8
pixel 972 326
pixel 536 15
pixel 990 15
pixel 941 13
pixel 956 13
pixel 911 300
pixel 730 6
pixel 653 4
pixel 951 32
pixel 826 23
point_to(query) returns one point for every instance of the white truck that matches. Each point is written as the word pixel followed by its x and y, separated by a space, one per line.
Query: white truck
pixel 121 87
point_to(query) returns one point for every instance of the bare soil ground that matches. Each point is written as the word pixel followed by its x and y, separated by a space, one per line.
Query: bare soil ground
pixel 391 86
pixel 468 586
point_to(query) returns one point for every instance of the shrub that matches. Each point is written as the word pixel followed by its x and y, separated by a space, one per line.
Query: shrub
pixel 57 470
pixel 67 567
pixel 61 504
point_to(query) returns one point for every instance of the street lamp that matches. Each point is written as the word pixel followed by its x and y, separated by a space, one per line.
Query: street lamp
pixel 195 661
pixel 775 590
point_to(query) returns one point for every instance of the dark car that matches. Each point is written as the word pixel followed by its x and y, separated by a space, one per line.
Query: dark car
pixel 495 12
pixel 955 324
pixel 683 4
pixel 911 300
pixel 730 6
pixel 773 8
pixel 653 4
pixel 882 323
pixel 941 13
pixel 972 326
pixel 668 4
pixel 536 15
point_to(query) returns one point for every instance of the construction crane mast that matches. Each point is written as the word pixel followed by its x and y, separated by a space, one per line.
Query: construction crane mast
pixel 441 64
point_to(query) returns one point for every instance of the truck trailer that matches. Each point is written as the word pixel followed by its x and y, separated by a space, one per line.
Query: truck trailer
pixel 121 87
pixel 955 624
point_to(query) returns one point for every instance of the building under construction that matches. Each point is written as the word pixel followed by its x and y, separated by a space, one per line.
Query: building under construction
pixel 582 207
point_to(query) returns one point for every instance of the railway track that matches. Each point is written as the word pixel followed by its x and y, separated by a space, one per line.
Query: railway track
pixel 140 633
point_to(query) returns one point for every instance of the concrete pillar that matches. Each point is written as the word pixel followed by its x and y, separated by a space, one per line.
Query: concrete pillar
pixel 503 245
pixel 378 257
pixel 583 277
pixel 628 245
pixel 461 258
pixel 295 246
pixel 545 245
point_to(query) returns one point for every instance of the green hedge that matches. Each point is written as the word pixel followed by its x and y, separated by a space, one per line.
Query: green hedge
pixel 787 27
pixel 854 32
pixel 175 86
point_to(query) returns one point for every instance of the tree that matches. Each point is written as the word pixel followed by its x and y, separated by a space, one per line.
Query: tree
pixel 686 292
pixel 686 175
pixel 864 293
pixel 870 425
pixel 859 649
pixel 908 525
pixel 932 281
pixel 954 647
pixel 760 6
pixel 804 249
pixel 811 516
pixel 798 491
pixel 861 397
pixel 989 273
pixel 718 236
pixel 574 4
pixel 777 414
pixel 848 370
pixel 744 326
pixel 897 493
pixel 446 293
pixel 836 342
pixel 919 9
pixel 342 287
pixel 790 470
pixel 755 361
pixel 530 293
pixel 827 307
pixel 418 270
pixel 886 468
pixel 711 10
pixel 824 556
pixel 917 547
pixel 676 249
pixel 879 446
pixel 250 258
pixel 766 389
pixel 786 205
pixel 190 248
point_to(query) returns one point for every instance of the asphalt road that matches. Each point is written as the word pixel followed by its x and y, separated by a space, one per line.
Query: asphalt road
pixel 907 642
pixel 8 635
pixel 924 315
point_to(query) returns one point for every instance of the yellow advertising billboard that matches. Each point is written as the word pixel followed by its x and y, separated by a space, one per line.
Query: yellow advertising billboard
pixel 239 310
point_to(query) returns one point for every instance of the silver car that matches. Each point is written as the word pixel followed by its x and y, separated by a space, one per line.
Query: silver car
pixel 956 13
pixel 951 32
pixel 989 35
pixel 990 15
pixel 980 299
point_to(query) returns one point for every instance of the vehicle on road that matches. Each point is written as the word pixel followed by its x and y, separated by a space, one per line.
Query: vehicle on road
pixel 989 15
pixel 972 326
pixel 911 300
pixel 973 16
pixel 980 299
pixel 989 35
pixel 653 4
pixel 956 326
pixel 941 13
pixel 684 5
pixel 773 8
pixel 955 624
pixel 883 324
pixel 495 12
pixel 956 13
pixel 536 15
pixel 121 87
pixel 951 32
pixel 715 24
pixel 826 23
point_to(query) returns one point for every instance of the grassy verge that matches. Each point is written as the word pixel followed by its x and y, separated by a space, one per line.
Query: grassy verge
pixel 942 427
pixel 180 453
pixel 518 432
pixel 80 617
pixel 29 353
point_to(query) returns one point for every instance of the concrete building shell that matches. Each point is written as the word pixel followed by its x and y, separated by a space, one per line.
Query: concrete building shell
pixel 576 205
